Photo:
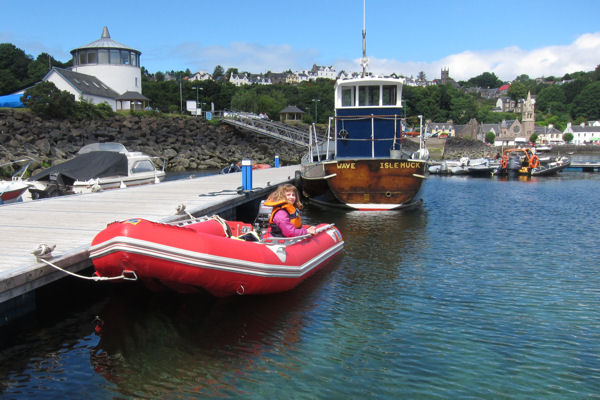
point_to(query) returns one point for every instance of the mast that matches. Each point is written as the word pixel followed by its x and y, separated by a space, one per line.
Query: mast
pixel 364 61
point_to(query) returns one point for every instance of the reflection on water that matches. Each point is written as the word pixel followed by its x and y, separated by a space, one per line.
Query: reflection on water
pixel 489 290
pixel 154 344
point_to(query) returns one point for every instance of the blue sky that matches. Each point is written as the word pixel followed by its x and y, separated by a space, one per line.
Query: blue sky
pixel 509 38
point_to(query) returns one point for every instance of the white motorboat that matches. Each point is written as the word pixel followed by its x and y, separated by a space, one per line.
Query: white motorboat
pixel 13 190
pixel 97 166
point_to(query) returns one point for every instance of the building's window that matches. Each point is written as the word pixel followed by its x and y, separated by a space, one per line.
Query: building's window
pixel 136 82
pixel 115 57
pixel 82 57
pixel 348 96
pixel 133 59
pixel 103 56
pixel 125 57
pixel 368 96
pixel 92 56
pixel 389 95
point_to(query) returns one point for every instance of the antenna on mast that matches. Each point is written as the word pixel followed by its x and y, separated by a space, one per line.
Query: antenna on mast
pixel 364 61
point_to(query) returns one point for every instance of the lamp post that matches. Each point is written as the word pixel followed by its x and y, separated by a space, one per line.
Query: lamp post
pixel 315 101
pixel 197 88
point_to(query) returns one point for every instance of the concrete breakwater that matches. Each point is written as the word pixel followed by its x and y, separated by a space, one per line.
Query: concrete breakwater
pixel 455 148
pixel 186 143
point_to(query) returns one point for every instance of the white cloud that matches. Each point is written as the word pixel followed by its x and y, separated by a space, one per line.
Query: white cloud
pixel 507 63
pixel 249 57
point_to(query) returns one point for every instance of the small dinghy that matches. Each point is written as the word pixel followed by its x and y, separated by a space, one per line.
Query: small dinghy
pixel 224 258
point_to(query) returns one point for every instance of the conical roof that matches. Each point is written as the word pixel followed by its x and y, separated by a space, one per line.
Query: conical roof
pixel 105 42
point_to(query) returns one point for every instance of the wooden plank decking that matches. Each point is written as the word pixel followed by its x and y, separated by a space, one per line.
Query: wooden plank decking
pixel 71 222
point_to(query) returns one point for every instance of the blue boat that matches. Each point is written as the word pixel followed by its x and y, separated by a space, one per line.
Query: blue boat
pixel 362 165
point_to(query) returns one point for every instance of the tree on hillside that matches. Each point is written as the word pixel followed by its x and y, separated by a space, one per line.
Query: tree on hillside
pixel 572 89
pixel 231 71
pixel 39 68
pixel 595 76
pixel 218 72
pixel 551 98
pixel 485 80
pixel 587 103
pixel 517 91
pixel 13 68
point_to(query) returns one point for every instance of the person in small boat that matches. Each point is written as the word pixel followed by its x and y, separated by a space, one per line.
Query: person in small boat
pixel 285 218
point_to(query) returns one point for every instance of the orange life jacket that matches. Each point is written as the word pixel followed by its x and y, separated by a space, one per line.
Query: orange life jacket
pixel 295 218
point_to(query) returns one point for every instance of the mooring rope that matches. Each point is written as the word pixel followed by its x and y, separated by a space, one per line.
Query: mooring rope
pixel 126 275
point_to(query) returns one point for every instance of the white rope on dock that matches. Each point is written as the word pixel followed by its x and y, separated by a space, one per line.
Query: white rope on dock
pixel 125 275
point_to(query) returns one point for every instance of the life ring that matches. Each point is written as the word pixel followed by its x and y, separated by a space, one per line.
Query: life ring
pixel 504 162
pixel 534 162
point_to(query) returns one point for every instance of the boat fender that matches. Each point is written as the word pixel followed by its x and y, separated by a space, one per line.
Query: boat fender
pixel 534 162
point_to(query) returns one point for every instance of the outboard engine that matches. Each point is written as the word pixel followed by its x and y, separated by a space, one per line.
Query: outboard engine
pixel 261 223
pixel 514 163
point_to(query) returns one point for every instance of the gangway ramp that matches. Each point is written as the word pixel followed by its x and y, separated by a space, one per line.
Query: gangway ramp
pixel 277 130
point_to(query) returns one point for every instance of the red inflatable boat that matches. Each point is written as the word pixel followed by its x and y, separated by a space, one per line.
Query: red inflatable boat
pixel 222 257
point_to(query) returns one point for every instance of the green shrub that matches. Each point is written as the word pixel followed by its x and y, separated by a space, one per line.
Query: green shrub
pixel 46 100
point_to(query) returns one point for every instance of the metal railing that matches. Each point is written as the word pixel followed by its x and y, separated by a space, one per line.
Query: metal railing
pixel 277 130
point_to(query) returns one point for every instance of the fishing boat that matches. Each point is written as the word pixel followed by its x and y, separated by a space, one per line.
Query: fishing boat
pixel 362 164
pixel 210 254
pixel 524 161
pixel 97 166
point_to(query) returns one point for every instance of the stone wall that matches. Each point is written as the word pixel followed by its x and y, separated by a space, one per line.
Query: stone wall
pixel 187 143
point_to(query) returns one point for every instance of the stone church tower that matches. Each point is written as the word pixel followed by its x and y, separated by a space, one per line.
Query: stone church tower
pixel 445 75
pixel 528 116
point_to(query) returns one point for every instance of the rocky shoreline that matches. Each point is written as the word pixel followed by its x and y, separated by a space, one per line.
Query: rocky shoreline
pixel 186 143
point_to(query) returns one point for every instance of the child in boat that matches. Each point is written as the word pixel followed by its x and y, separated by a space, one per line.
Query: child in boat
pixel 285 218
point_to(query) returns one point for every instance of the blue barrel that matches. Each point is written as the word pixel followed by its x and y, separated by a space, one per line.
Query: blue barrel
pixel 246 174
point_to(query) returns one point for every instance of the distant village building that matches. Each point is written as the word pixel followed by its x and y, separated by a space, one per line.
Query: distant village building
pixel 248 79
pixel 439 129
pixel 584 133
pixel 322 72
pixel 103 71
pixel 549 135
pixel 291 113
pixel 201 76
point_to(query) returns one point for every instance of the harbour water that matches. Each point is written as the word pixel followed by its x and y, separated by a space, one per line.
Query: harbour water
pixel 491 290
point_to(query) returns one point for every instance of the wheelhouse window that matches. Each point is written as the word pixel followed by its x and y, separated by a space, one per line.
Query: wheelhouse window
pixel 348 96
pixel 388 95
pixel 368 96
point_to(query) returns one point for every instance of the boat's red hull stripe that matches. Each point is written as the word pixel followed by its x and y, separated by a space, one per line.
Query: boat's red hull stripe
pixel 203 260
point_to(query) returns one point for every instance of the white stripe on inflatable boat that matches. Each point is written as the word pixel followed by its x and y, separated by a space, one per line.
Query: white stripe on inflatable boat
pixel 203 260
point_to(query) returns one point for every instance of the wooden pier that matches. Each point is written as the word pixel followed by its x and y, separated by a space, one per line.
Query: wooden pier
pixel 586 166
pixel 71 222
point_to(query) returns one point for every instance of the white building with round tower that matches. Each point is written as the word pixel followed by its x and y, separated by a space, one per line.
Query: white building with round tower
pixel 103 71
